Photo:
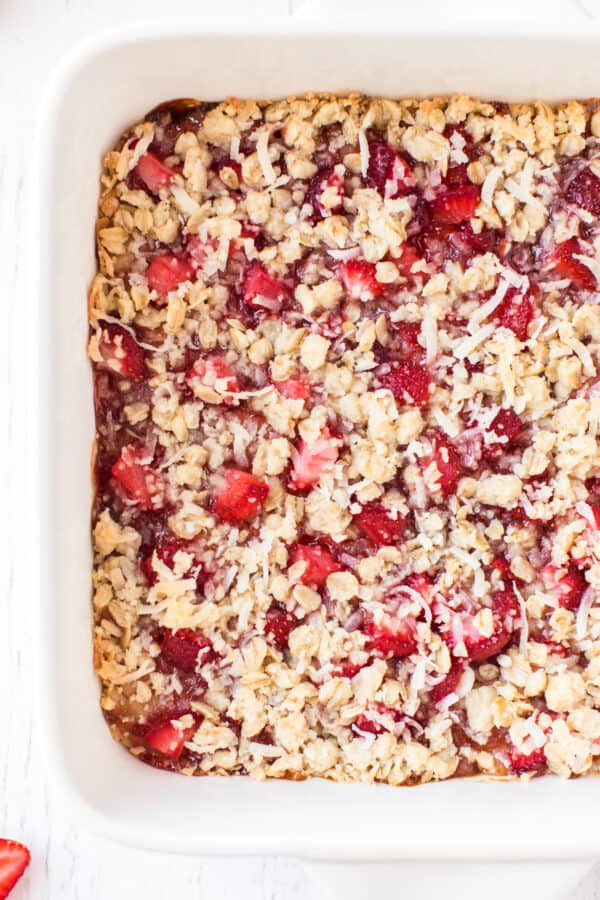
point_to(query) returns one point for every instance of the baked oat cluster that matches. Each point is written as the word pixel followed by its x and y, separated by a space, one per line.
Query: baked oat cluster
pixel 347 519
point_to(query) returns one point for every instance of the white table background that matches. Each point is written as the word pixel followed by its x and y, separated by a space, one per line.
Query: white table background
pixel 69 863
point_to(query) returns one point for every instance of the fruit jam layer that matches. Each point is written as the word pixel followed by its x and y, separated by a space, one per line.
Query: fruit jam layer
pixel 347 519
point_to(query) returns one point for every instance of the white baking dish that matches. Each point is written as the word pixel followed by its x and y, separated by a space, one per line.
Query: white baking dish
pixel 102 87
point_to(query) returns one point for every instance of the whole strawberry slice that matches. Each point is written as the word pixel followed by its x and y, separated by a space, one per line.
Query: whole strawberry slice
pixel 319 563
pixel 261 290
pixel 152 172
pixel 565 264
pixel 358 278
pixel 456 205
pixel 408 382
pixel 138 479
pixel 377 522
pixel 278 625
pixel 121 352
pixel 14 859
pixel 310 461
pixel 387 172
pixel 239 497
pixel 166 273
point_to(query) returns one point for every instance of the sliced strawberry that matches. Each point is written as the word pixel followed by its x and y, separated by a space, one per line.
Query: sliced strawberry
pixel 387 172
pixel 240 496
pixel 121 352
pixel 565 264
pixel 138 479
pixel 447 464
pixel 294 388
pixel 449 684
pixel 567 583
pixel 408 382
pixel 456 205
pixel 213 372
pixel 358 278
pixel 278 625
pixel 152 172
pixel 169 739
pixel 319 562
pixel 584 191
pixel 520 763
pixel 515 312
pixel 325 180
pixel 409 255
pixel 182 649
pixel 165 273
pixel 396 640
pixel 261 290
pixel 310 461
pixel 14 859
pixel 505 610
pixel 506 426
pixel 377 522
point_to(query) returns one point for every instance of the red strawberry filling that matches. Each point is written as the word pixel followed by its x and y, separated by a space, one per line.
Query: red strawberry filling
pixel 319 563
pixel 506 426
pixel 138 479
pixel 387 172
pixel 565 264
pixel 169 739
pixel 212 372
pixel 449 683
pixel 261 290
pixel 568 584
pixel 166 273
pixel 377 719
pixel 379 524
pixel 584 191
pixel 520 763
pixel 359 281
pixel 310 461
pixel 480 647
pixel 396 639
pixel 278 625
pixel 455 205
pixel 166 554
pixel 120 352
pixel 515 312
pixel 325 193
pixel 239 496
pixel 183 649
pixel 294 388
pixel 442 468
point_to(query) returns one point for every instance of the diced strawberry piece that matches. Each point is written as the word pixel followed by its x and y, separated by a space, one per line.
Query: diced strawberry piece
pixel 568 584
pixel 505 610
pixel 358 278
pixel 166 552
pixel 294 388
pixel 279 623
pixel 515 312
pixel 213 372
pixel 457 175
pixel 565 264
pixel 456 205
pixel 325 180
pixel 377 522
pixel 387 172
pixel 584 191
pixel 447 464
pixel 506 426
pixel 138 479
pixel 121 352
pixel 408 338
pixel 347 670
pixel 398 640
pixel 310 461
pixel 527 762
pixel 408 382
pixel 14 859
pixel 363 723
pixel 152 172
pixel 369 722
pixel 319 562
pixel 449 684
pixel 261 290
pixel 240 496
pixel 182 649
pixel 409 255
pixel 166 273
pixel 169 739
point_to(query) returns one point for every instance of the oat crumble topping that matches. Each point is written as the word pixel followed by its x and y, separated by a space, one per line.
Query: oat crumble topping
pixel 347 514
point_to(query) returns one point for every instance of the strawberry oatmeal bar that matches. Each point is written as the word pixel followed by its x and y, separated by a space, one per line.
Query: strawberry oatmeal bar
pixel 346 360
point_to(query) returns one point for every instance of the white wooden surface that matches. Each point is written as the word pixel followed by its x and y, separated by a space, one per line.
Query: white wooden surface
pixel 68 863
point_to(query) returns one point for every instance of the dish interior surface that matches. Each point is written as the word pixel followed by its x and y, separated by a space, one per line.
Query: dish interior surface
pixel 128 796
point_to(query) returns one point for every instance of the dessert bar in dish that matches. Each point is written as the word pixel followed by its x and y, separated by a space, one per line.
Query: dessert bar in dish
pixel 347 473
